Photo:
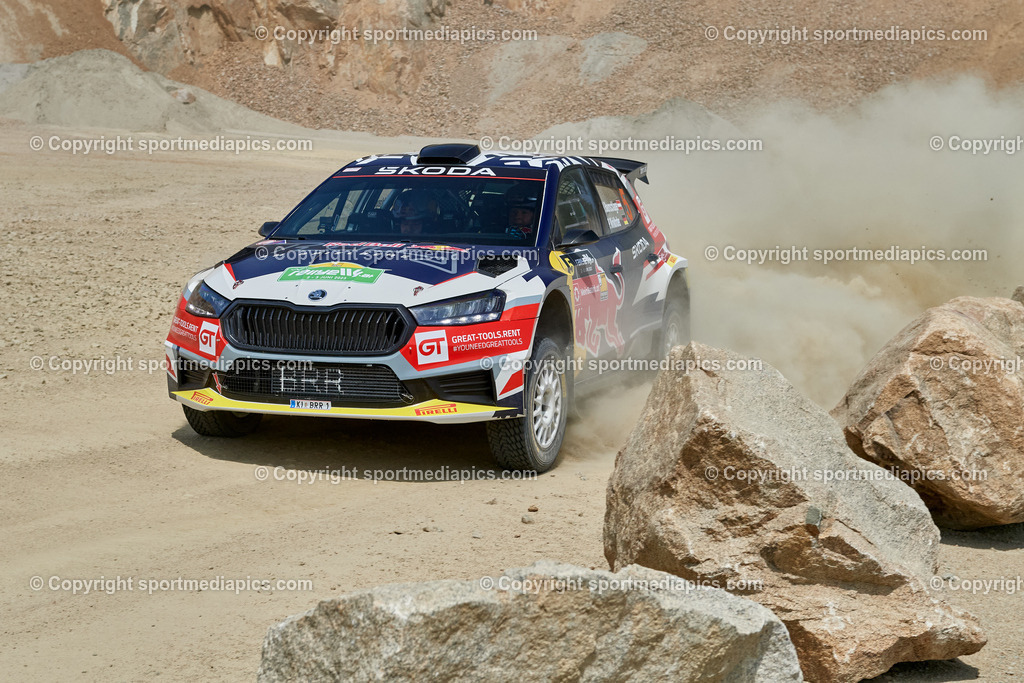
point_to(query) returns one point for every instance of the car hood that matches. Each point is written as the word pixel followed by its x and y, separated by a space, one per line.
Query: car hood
pixel 326 274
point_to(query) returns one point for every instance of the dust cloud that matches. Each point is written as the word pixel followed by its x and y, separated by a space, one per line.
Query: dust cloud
pixel 866 178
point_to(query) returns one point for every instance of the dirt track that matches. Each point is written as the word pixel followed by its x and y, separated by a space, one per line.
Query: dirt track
pixel 102 476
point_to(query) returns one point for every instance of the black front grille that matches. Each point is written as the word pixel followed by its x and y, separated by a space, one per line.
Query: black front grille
pixel 336 331
pixel 277 382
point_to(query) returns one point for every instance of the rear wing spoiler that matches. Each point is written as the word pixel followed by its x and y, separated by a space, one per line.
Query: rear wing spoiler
pixel 633 170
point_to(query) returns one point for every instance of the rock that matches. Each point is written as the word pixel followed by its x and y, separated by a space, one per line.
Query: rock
pixel 1018 295
pixel 102 89
pixel 527 519
pixel 725 479
pixel 942 405
pixel 532 508
pixel 557 622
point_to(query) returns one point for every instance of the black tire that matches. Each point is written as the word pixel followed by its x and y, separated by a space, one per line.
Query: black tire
pixel 675 324
pixel 532 442
pixel 221 422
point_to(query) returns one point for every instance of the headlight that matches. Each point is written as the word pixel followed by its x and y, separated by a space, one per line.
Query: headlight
pixel 205 302
pixel 469 310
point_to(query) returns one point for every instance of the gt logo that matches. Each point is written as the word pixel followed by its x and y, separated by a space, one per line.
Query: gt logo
pixel 208 338
pixel 432 347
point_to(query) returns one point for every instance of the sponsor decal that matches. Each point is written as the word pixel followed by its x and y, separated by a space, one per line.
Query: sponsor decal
pixel 488 339
pixel 441 409
pixel 184 328
pixel 626 206
pixel 596 309
pixel 208 338
pixel 467 343
pixel 201 398
pixel 199 335
pixel 434 170
pixel 337 272
pixel 641 245
pixel 431 347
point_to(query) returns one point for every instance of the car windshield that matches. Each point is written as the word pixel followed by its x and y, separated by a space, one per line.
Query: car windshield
pixel 501 207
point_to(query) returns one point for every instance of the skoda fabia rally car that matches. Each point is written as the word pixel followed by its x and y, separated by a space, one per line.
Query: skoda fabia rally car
pixel 447 286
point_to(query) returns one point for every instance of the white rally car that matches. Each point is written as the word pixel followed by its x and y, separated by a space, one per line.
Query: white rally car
pixel 447 286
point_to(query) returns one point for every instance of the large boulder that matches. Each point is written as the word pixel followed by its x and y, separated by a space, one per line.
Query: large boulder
pixel 942 405
pixel 731 477
pixel 547 622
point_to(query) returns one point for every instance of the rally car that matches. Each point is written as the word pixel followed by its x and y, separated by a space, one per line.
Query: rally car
pixel 451 285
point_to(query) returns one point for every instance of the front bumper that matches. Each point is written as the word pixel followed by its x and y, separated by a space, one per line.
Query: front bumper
pixel 432 410
pixel 442 376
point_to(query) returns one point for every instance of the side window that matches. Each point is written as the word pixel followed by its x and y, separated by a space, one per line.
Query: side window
pixel 574 204
pixel 618 206
pixel 323 221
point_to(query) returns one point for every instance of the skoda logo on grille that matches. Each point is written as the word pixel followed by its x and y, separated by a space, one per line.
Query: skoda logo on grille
pixel 317 294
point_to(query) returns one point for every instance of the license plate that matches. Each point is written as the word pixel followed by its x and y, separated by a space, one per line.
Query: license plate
pixel 310 405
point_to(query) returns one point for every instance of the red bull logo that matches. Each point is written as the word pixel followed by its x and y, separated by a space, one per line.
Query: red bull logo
pixel 597 308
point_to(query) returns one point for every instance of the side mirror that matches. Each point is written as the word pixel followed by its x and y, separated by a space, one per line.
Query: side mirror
pixel 268 227
pixel 578 237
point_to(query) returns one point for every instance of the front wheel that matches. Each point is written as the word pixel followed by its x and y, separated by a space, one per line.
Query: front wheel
pixel 675 326
pixel 221 423
pixel 532 442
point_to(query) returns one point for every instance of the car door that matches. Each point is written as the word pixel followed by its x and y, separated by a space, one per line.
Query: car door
pixel 598 291
pixel 639 318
